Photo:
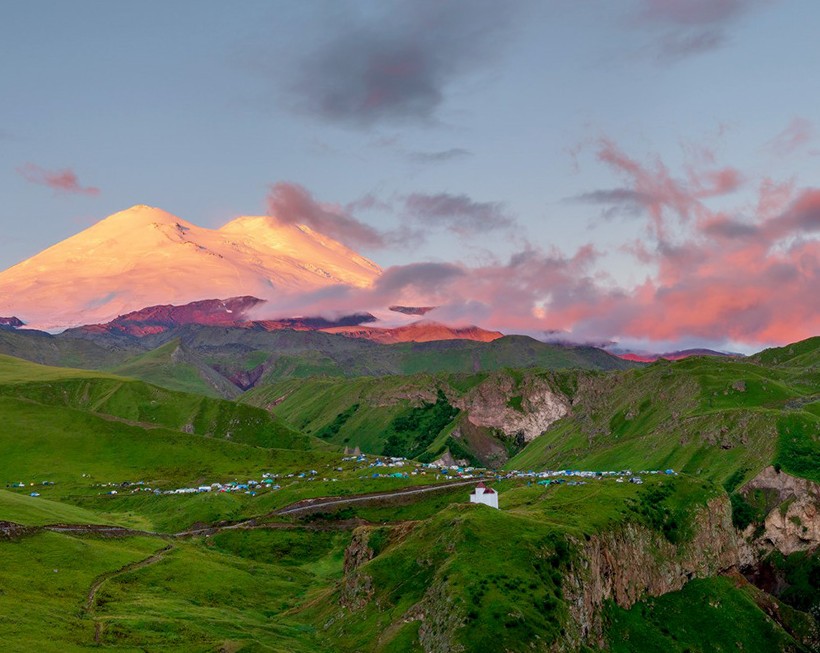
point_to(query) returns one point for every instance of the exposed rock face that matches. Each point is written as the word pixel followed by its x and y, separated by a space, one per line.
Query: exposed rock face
pixel 423 331
pixel 794 525
pixel 357 587
pixel 234 312
pixel 440 619
pixel 630 563
pixel 523 412
pixel 482 443
pixel 11 322
pixel 447 459
pixel 411 310
pixel 795 530
pixel 10 530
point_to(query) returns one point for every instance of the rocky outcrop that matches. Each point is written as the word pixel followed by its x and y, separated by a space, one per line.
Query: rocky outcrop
pixel 11 322
pixel 10 530
pixel 446 460
pixel 440 619
pixel 796 529
pixel 234 312
pixel 357 586
pixel 794 524
pixel 481 442
pixel 422 331
pixel 633 562
pixel 519 410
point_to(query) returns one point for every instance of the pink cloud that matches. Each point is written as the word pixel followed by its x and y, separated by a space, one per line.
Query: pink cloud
pixel 61 181
pixel 796 134
pixel 746 274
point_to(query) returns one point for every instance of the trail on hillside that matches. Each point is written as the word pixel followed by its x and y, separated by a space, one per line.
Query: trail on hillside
pixel 88 606
pixel 323 502
pixel 11 530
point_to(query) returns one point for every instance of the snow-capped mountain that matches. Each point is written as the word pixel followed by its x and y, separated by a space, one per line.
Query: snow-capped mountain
pixel 144 256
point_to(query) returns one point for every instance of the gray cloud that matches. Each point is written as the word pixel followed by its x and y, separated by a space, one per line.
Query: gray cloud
pixel 729 228
pixel 691 27
pixel 398 64
pixel 424 277
pixel 619 201
pixel 803 215
pixel 458 213
pixel 439 157
pixel 679 45
pixel 293 204
pixel 60 181
pixel 697 13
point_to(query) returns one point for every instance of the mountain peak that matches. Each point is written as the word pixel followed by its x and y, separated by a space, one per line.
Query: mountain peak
pixel 145 256
pixel 140 214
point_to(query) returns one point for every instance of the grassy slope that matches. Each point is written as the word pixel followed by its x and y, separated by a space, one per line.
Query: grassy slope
pixel 47 349
pixel 37 511
pixel 78 429
pixel 301 354
pixel 513 597
pixel 170 366
pixel 226 593
pixel 700 415
pixel 46 443
pixel 713 614
pixel 140 403
pixel 362 411
pixel 44 580
pixel 277 590
pixel 313 404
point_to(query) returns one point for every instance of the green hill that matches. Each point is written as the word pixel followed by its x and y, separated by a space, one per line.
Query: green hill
pixel 587 564
pixel 700 415
pixel 138 403
pixel 172 366
pixel 420 415
pixel 225 361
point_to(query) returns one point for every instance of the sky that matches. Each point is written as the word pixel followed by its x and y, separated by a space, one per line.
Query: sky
pixel 640 172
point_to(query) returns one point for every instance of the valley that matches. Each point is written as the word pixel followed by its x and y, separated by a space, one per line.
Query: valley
pixel 180 517
pixel 410 326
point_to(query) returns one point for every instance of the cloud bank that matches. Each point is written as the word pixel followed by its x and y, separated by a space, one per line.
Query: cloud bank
pixel 724 277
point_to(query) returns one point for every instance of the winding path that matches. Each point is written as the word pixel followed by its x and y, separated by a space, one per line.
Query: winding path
pixel 12 529
pixel 324 502
pixel 88 606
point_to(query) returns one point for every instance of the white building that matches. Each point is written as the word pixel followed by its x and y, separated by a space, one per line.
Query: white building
pixel 485 495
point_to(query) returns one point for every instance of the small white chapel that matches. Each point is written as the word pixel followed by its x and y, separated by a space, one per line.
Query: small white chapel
pixel 485 495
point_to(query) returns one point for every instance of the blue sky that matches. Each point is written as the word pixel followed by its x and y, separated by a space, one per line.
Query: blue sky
pixel 582 135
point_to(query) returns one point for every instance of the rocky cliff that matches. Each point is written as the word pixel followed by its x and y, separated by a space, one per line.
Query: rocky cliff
pixel 11 322
pixel 520 409
pixel 632 562
pixel 793 522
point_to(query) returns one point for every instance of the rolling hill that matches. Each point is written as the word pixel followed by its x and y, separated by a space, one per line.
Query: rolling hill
pixel 248 357
pixel 696 560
